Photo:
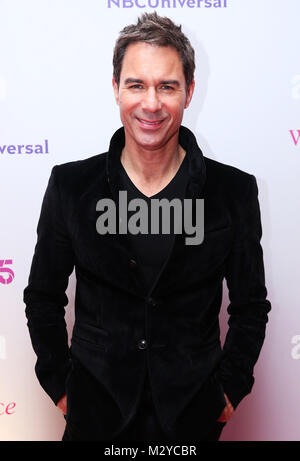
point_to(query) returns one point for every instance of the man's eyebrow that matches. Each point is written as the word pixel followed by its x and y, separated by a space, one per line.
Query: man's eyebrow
pixel 170 82
pixel 133 80
pixel 128 81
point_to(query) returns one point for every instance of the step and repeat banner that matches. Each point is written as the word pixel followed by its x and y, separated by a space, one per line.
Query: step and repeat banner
pixel 57 105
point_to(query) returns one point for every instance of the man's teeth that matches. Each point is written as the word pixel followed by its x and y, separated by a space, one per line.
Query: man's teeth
pixel 151 123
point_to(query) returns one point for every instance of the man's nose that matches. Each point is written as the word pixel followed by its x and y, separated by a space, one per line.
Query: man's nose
pixel 151 100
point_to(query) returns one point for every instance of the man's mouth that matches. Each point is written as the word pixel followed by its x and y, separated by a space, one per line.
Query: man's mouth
pixel 150 123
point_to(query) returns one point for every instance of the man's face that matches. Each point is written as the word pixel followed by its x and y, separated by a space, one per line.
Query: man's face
pixel 152 95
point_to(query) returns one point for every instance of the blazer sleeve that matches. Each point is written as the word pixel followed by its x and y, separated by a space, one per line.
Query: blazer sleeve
pixel 248 306
pixel 45 297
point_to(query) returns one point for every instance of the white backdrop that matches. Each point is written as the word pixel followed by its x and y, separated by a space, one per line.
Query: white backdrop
pixel 55 92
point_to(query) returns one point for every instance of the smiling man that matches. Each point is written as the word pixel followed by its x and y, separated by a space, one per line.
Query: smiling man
pixel 146 361
pixel 152 95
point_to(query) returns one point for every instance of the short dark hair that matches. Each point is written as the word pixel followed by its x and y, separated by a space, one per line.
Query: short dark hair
pixel 157 31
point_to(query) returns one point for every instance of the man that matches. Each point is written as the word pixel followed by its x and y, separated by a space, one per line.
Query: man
pixel 145 361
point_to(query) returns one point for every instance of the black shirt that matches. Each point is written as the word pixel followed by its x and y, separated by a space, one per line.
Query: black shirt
pixel 151 250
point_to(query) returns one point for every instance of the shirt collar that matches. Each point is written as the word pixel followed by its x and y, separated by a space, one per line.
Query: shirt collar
pixel 197 168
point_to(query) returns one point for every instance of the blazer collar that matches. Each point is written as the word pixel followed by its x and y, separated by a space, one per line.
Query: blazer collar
pixel 197 169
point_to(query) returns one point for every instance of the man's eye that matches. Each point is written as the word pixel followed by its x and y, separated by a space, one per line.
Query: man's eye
pixel 136 87
pixel 167 87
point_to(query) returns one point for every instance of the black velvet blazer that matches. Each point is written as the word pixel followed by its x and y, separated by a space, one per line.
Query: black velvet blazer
pixel 120 328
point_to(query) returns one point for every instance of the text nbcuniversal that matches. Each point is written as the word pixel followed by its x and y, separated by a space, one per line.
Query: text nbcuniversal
pixel 167 3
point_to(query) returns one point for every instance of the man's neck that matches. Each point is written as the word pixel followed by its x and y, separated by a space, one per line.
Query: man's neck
pixel 151 171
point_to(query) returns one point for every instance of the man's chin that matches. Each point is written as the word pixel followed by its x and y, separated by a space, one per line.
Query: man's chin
pixel 151 146
pixel 153 141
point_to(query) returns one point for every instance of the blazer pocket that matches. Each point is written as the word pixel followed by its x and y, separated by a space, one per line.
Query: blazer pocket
pixel 220 390
pixel 90 336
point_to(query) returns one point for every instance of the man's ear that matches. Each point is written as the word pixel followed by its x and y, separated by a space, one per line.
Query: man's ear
pixel 116 90
pixel 189 94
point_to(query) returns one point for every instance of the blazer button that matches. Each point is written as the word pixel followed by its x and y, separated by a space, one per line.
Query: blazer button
pixel 142 344
pixel 133 263
pixel 152 302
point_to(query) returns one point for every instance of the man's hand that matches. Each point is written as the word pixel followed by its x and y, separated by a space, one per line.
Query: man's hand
pixel 227 412
pixel 62 404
